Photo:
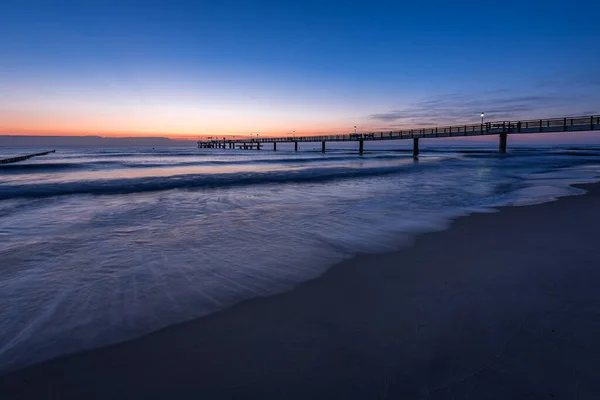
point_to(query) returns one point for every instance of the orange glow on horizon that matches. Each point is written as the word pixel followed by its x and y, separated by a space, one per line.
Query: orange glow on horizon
pixel 20 131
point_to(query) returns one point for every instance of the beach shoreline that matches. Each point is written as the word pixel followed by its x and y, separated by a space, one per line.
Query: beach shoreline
pixel 500 304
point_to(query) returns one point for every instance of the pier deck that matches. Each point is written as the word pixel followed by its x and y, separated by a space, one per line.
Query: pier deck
pixel 502 129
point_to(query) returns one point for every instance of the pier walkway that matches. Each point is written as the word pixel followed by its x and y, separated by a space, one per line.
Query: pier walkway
pixel 502 129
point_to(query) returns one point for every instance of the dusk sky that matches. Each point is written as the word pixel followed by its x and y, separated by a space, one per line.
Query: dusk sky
pixel 182 68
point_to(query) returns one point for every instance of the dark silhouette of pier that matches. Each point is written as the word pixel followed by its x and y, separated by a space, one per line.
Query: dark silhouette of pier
pixel 502 129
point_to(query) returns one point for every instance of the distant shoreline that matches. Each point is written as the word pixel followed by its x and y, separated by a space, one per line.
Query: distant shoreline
pixel 95 141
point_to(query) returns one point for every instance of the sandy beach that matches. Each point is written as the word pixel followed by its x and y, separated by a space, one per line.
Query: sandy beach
pixel 502 305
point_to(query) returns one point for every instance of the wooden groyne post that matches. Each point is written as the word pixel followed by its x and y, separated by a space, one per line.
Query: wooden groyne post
pixel 22 158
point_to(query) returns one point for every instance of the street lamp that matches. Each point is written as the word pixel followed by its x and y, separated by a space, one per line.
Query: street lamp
pixel 482 115
pixel 355 129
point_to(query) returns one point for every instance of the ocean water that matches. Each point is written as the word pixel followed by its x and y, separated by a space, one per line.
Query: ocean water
pixel 99 246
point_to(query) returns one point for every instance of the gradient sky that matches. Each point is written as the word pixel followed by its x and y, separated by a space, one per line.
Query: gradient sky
pixel 176 68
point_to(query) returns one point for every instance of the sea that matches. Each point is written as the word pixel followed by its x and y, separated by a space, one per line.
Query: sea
pixel 102 245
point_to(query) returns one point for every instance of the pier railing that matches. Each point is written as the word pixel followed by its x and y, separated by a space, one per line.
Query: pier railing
pixel 502 128
pixel 563 124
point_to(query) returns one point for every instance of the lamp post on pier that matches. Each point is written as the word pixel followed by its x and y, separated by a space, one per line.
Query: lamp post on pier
pixel 482 115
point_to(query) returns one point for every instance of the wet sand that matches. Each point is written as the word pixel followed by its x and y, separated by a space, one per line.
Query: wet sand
pixel 503 305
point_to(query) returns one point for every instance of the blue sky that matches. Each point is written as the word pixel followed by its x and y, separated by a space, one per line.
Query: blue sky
pixel 233 67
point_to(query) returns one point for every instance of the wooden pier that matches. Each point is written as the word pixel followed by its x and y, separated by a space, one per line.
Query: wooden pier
pixel 22 158
pixel 503 129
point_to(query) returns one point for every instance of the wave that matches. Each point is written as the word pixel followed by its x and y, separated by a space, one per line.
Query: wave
pixel 289 160
pixel 66 166
pixel 25 168
pixel 577 153
pixel 193 181
pixel 53 167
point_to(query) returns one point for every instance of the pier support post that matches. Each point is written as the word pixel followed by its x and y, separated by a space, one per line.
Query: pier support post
pixel 502 146
pixel 322 147
pixel 258 146
pixel 360 146
pixel 295 146
pixel 274 146
pixel 415 147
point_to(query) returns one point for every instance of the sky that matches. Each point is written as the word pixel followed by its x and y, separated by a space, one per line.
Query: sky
pixel 235 68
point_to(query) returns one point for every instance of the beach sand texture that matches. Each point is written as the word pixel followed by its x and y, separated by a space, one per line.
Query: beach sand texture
pixel 500 306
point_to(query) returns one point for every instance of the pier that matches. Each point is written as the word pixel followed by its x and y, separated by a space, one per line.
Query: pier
pixel 22 158
pixel 502 129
